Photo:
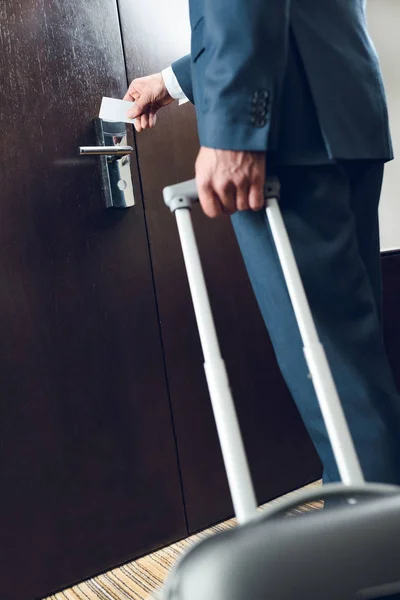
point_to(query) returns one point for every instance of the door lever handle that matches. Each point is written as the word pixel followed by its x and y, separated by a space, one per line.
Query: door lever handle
pixel 114 162
pixel 105 150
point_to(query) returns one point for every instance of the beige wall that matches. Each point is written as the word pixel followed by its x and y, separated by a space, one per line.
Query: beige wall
pixel 384 21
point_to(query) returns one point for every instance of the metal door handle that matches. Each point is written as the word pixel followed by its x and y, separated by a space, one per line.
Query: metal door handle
pixel 115 163
pixel 105 150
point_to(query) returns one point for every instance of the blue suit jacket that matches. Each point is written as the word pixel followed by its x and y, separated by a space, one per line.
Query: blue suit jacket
pixel 296 77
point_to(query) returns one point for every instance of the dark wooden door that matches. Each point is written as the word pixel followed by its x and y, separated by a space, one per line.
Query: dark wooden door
pixel 281 454
pixel 88 467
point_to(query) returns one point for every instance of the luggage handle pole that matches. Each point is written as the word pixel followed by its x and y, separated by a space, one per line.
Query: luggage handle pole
pixel 182 196
pixel 234 455
pixel 320 372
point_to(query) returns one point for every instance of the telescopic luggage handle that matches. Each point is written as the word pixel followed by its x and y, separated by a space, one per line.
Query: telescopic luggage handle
pixel 179 198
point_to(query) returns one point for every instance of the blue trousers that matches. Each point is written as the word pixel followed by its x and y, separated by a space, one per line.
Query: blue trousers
pixel 331 214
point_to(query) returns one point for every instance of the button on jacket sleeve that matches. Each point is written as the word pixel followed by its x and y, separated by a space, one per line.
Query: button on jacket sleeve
pixel 238 59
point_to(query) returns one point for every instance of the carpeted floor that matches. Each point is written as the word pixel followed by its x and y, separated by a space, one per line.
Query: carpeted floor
pixel 140 579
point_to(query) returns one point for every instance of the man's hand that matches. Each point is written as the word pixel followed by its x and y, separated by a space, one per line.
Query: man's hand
pixel 150 94
pixel 228 181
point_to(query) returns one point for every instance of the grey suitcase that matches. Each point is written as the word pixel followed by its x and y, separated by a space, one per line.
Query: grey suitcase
pixel 349 553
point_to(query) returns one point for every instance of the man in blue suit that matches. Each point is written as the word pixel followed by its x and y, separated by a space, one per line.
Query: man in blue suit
pixel 293 87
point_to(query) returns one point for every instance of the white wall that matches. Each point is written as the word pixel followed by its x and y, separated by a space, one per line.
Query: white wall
pixel 384 26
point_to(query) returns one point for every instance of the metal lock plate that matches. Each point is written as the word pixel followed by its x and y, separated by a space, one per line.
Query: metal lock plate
pixel 115 170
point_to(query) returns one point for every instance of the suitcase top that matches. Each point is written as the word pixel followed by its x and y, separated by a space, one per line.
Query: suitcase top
pixel 346 553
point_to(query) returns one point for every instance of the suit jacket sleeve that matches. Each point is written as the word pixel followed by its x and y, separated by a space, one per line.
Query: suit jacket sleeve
pixel 238 58
pixel 183 73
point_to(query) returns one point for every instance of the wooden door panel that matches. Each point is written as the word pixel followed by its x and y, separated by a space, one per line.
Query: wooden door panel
pixel 281 454
pixel 88 466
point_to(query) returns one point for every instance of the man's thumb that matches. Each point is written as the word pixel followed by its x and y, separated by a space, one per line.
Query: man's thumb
pixel 138 108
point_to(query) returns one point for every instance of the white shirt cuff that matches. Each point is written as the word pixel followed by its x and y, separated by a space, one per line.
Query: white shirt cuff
pixel 172 85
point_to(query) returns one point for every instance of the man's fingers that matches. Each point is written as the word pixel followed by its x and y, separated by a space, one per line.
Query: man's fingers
pixel 226 193
pixel 133 92
pixel 152 118
pixel 144 120
pixel 128 96
pixel 242 196
pixel 148 96
pixel 209 201
pixel 256 197
pixel 230 180
pixel 138 109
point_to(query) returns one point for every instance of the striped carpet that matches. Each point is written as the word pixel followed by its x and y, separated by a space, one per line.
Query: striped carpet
pixel 140 579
